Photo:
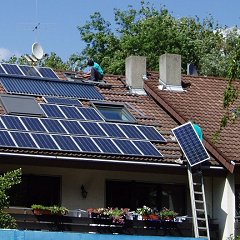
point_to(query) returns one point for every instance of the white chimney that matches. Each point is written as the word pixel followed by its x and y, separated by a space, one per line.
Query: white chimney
pixel 170 72
pixel 135 67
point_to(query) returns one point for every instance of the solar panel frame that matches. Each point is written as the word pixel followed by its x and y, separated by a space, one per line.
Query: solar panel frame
pixel 52 110
pixel 86 144
pixel 63 101
pixel 131 131
pixel 107 145
pixel 12 122
pixel 12 69
pixel 47 72
pixel 90 114
pixel 151 133
pixel 66 143
pixel 190 144
pixel 33 124
pixel 23 140
pixel 45 141
pixel 6 140
pixel 29 71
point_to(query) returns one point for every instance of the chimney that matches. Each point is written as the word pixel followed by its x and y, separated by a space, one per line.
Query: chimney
pixel 170 72
pixel 135 67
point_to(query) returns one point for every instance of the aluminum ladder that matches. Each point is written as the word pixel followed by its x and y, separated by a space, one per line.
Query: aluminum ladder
pixel 198 201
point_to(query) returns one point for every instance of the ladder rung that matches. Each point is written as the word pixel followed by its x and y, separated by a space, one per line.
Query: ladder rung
pixel 201 219
pixel 198 192
pixel 200 210
pixel 199 201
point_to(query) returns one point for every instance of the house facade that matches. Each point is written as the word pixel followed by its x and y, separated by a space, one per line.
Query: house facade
pixel 84 144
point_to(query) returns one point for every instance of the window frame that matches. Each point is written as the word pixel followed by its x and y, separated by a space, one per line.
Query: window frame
pixel 120 108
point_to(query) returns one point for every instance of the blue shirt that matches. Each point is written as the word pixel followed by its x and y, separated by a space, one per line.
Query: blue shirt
pixel 199 131
pixel 99 69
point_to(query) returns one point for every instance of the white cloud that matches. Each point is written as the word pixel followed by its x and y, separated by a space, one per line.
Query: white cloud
pixel 5 54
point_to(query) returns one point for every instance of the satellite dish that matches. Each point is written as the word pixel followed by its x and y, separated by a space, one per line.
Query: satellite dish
pixel 37 51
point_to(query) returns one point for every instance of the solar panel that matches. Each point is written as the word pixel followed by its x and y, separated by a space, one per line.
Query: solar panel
pixel 63 101
pixel 29 71
pixel 47 72
pixel 112 130
pixel 127 147
pixel 53 126
pixel 131 131
pixel 71 112
pixel 6 140
pixel 147 148
pixel 45 141
pixel 86 144
pixel 12 122
pixel 65 143
pixel 151 133
pixel 73 127
pixel 1 125
pixel 50 88
pixel 190 144
pixel 12 69
pixel 2 70
pixel 106 145
pixel 23 140
pixel 33 124
pixel 90 114
pixel 52 111
pixel 93 129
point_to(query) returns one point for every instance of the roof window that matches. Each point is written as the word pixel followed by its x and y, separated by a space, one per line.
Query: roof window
pixel 114 112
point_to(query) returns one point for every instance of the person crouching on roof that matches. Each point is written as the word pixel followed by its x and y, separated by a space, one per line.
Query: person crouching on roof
pixel 96 73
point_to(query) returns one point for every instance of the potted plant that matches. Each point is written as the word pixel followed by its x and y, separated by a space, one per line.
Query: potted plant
pixel 54 210
pixel 167 214
pixel 144 212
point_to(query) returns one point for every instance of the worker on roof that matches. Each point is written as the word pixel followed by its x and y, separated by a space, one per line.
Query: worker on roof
pixel 96 73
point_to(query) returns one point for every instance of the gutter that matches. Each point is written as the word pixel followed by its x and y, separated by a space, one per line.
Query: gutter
pixel 218 155
pixel 106 161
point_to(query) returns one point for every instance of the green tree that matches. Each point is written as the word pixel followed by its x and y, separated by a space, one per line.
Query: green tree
pixel 7 180
pixel 152 32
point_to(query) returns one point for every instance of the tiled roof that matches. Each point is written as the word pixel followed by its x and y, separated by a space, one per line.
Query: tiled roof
pixel 148 111
pixel 201 101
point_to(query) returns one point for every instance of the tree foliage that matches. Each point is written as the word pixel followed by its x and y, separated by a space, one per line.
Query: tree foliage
pixel 7 180
pixel 152 32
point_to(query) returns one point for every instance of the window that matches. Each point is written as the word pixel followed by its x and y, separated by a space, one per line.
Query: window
pixel 21 105
pixel 35 189
pixel 150 194
pixel 114 112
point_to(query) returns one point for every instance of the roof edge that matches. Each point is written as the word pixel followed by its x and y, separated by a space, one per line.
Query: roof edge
pixel 223 160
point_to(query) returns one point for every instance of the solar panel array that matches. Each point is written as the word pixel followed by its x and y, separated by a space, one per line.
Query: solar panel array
pixel 24 70
pixel 190 144
pixel 68 125
pixel 75 135
pixel 38 87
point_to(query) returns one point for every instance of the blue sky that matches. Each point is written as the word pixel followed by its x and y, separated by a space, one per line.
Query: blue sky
pixel 58 20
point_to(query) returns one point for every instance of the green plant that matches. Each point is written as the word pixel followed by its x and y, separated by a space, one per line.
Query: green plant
pixel 8 180
pixel 53 209
pixel 144 210
pixel 167 214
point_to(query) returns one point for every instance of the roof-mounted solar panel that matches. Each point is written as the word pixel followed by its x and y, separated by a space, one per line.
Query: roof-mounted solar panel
pixel 90 114
pixel 147 148
pixel 29 71
pixel 45 141
pixel 63 101
pixel 12 122
pixel 131 131
pixel 112 130
pixel 127 147
pixel 71 112
pixel 6 140
pixel 190 144
pixel 50 88
pixel 47 72
pixel 2 70
pixel 73 127
pixel 12 69
pixel 65 143
pixel 93 129
pixel 53 126
pixel 151 133
pixel 33 124
pixel 86 144
pixel 23 140
pixel 107 145
pixel 52 111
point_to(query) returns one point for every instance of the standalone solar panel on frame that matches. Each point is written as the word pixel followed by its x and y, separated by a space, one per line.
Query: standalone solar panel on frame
pixel 190 144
